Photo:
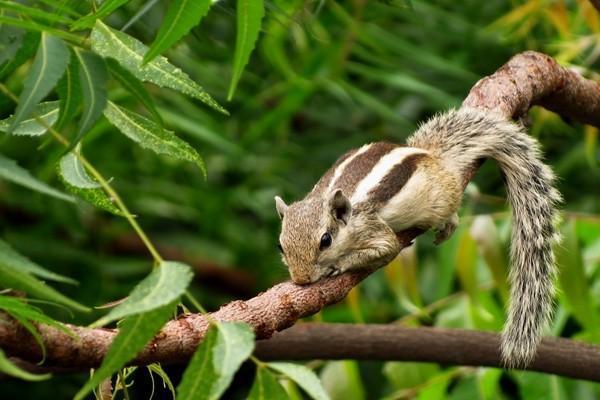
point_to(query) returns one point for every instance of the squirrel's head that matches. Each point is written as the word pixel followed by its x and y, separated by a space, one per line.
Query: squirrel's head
pixel 314 234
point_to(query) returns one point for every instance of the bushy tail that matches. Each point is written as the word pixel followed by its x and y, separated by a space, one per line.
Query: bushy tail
pixel 459 138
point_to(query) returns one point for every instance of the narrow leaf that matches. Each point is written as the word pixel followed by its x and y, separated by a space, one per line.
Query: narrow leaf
pixel 249 17
pixel 74 172
pixel 200 130
pixel 69 93
pixel 10 171
pixel 31 42
pixel 47 112
pixel 20 262
pixel 129 52
pixel 134 86
pixel 182 16
pixel 14 278
pixel 342 380
pixel 488 241
pixel 223 350
pixel 34 13
pixel 32 330
pixel 163 286
pixel 16 306
pixel 134 333
pixel 157 369
pixel 77 181
pixel 92 77
pixel 151 136
pixel 7 367
pixel 107 8
pixel 11 40
pixel 266 387
pixel 573 282
pixel 304 377
pixel 48 66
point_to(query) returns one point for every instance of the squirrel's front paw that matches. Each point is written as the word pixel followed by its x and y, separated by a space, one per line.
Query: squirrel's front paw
pixel 446 230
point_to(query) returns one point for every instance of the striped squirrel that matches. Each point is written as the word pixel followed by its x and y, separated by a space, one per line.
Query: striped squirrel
pixel 350 218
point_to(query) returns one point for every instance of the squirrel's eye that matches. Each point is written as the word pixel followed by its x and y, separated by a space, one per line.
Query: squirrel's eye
pixel 280 248
pixel 325 241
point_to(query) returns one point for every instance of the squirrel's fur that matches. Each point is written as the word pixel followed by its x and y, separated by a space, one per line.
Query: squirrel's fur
pixel 350 218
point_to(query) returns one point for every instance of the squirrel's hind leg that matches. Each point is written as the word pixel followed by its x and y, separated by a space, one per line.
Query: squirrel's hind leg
pixel 446 229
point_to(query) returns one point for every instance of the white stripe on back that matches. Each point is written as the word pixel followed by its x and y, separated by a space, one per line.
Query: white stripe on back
pixel 380 170
pixel 340 168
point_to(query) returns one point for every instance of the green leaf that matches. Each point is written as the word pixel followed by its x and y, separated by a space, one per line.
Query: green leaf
pixel 62 7
pixel 10 171
pixel 16 306
pixel 107 8
pixel 484 232
pixel 157 369
pixel 9 255
pixel 48 66
pixel 8 368
pixel 74 172
pixel 249 17
pixel 303 376
pixel 266 387
pixel 538 386
pixel 223 350
pixel 25 313
pixel 11 40
pixel 77 181
pixel 134 332
pixel 151 136
pixel 32 330
pixel 69 93
pixel 11 276
pixel 573 281
pixel 47 112
pixel 341 380
pixel 200 130
pixel 31 42
pixel 163 286
pixel 34 13
pixel 466 264
pixel 182 16
pixel 129 52
pixel 92 76
pixel 405 375
pixel 134 86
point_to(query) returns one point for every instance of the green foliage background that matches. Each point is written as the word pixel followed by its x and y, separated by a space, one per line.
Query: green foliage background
pixel 325 76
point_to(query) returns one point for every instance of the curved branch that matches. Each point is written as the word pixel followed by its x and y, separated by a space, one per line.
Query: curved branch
pixel 527 79
pixel 531 78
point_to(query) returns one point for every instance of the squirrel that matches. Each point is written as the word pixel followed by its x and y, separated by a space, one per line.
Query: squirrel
pixel 350 218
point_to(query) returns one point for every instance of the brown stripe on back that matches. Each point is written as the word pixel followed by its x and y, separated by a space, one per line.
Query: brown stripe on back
pixel 325 179
pixel 395 179
pixel 360 166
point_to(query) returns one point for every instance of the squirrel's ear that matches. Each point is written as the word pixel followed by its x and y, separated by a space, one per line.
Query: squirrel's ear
pixel 340 206
pixel 280 206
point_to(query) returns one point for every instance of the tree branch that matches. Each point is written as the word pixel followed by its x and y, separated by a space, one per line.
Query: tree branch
pixel 393 342
pixel 527 79
pixel 444 346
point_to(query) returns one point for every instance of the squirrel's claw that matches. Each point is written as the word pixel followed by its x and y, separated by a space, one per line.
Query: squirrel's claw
pixel 446 230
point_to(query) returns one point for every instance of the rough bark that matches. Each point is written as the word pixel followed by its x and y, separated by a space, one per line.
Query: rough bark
pixel 527 79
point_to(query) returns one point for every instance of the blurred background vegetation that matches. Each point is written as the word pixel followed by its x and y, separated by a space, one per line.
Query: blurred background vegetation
pixel 326 76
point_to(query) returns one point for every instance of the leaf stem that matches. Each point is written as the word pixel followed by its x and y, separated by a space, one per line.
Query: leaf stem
pixel 101 180
pixel 123 385
pixel 195 302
